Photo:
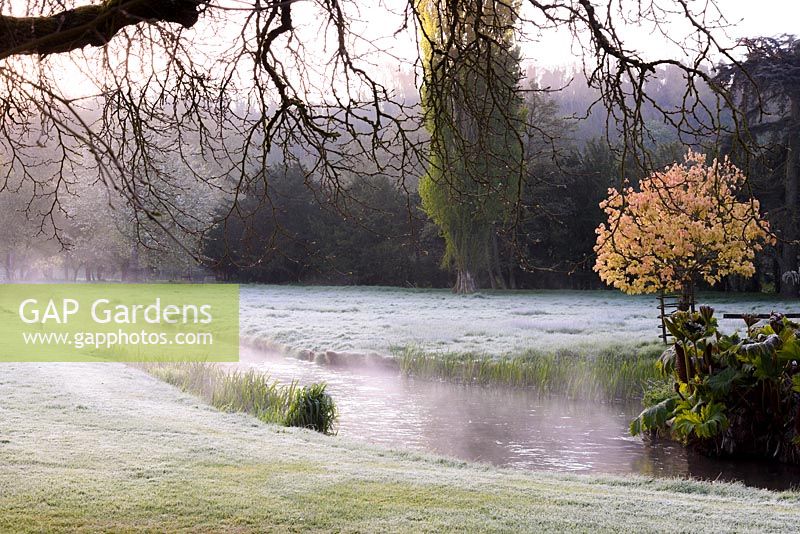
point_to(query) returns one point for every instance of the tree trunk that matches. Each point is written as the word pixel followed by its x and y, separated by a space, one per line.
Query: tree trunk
pixel 789 250
pixel 465 283
pixel 133 264
pixel 512 277
pixel 498 268
pixel 9 266
pixel 686 301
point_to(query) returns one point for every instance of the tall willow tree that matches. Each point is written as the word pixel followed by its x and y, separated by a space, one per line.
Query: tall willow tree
pixel 474 113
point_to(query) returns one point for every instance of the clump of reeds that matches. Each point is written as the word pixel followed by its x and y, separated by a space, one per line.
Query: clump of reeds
pixel 312 408
pixel 252 392
pixel 613 374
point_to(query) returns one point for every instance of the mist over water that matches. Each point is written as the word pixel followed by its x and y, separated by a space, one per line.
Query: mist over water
pixel 505 427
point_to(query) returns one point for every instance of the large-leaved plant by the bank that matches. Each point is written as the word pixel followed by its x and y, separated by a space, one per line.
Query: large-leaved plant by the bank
pixel 732 394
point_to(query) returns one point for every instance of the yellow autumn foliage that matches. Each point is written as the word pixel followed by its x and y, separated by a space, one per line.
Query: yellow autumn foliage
pixel 685 224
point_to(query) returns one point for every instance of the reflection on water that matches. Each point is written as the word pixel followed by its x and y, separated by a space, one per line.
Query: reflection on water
pixel 504 427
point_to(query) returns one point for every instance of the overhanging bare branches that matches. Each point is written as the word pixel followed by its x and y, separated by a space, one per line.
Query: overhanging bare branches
pixel 93 25
pixel 256 83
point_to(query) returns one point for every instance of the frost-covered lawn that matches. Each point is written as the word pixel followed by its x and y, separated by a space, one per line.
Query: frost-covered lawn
pixel 362 319
pixel 103 447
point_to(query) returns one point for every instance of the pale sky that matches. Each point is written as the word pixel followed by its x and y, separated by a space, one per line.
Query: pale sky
pixel 383 49
pixel 748 18
pixel 379 20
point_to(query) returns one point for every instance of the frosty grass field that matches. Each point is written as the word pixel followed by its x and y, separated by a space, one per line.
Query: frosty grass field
pixel 385 320
pixel 105 447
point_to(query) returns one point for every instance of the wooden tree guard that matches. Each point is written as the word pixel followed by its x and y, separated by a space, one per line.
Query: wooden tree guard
pixel 667 303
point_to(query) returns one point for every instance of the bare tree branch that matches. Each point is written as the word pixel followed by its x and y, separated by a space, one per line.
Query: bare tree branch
pixel 93 25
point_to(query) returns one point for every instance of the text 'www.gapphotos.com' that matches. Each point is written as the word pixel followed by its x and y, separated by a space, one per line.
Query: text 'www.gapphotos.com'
pixel 108 340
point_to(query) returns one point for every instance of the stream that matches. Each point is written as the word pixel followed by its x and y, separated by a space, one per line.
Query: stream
pixel 505 427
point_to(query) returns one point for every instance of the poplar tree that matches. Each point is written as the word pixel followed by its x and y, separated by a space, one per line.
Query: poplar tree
pixel 474 113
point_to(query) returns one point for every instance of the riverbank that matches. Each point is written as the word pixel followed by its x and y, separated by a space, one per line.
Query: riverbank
pixel 620 373
pixel 596 345
pixel 613 374
pixel 107 447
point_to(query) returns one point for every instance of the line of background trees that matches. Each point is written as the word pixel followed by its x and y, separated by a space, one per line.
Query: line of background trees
pixel 378 232
pixel 569 164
